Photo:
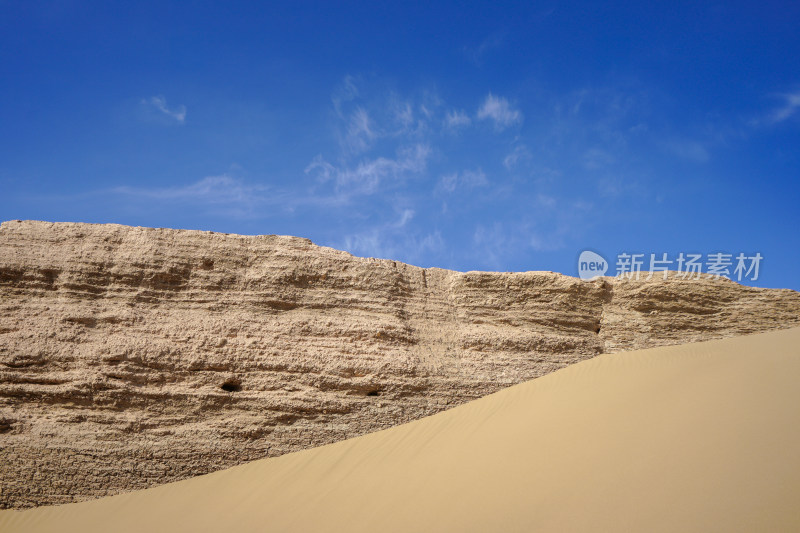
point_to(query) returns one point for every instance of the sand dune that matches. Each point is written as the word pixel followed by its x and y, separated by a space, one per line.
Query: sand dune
pixel 699 437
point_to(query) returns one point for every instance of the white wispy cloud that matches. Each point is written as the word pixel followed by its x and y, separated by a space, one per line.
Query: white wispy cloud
pixel 221 194
pixel 544 200
pixel 463 180
pixel 222 189
pixel 404 114
pixel 477 53
pixel 790 106
pixel 159 103
pixel 456 119
pixel 688 149
pixel 388 243
pixel 347 91
pixel 519 154
pixel 500 242
pixel 595 158
pixel 405 218
pixel 394 239
pixel 359 133
pixel 407 119
pixel 494 244
pixel 499 111
pixel 366 119
pixel 234 196
pixel 367 176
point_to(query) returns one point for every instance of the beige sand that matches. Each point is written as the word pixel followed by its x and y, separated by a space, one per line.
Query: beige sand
pixel 699 437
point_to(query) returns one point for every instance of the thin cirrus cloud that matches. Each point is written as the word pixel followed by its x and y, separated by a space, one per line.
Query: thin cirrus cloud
pixel 359 133
pixel 368 176
pixel 499 111
pixel 241 197
pixel 468 179
pixel 387 243
pixel 477 54
pixel 230 196
pixel 222 189
pixel 517 156
pixel 394 239
pixel 790 107
pixel 691 150
pixel 347 91
pixel 158 104
pixel 456 119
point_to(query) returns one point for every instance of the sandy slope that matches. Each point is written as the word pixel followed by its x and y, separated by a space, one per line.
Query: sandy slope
pixel 699 437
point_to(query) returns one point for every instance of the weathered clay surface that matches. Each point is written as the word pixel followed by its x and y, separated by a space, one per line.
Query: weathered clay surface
pixel 131 357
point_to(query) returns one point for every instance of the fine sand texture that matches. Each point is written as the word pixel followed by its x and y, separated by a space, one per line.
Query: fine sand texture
pixel 133 357
pixel 696 437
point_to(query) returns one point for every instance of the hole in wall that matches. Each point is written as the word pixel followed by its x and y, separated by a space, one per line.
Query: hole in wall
pixel 231 385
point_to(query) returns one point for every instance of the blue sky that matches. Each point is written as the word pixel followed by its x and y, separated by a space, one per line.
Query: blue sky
pixel 473 136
